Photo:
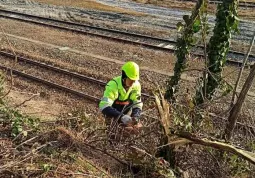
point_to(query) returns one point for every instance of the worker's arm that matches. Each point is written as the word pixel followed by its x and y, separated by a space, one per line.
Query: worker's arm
pixel 110 95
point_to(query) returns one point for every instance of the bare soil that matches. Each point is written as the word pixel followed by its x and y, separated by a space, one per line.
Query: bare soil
pixel 89 4
pixel 84 57
pixel 46 103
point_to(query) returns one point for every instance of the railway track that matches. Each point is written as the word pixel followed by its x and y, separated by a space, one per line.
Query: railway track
pixel 76 79
pixel 72 79
pixel 53 77
pixel 138 39
pixel 117 35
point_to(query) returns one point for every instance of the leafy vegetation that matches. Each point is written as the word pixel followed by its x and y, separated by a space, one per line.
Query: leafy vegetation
pixel 189 120
pixel 19 123
pixel 218 47
pixel 183 45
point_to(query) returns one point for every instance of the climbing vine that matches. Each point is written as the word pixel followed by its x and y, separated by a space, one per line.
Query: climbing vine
pixel 184 44
pixel 218 47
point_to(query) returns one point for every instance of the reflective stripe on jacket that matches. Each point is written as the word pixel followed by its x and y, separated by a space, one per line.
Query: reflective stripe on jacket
pixel 116 96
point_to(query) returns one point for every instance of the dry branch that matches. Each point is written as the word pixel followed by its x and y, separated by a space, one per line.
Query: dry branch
pixel 79 143
pixel 233 101
pixel 163 108
pixel 71 174
pixel 165 118
pixel 181 141
pixel 96 167
pixel 22 103
pixel 249 156
pixel 232 119
pixel 32 153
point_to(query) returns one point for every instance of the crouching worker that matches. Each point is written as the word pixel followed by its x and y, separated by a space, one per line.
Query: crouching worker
pixel 121 102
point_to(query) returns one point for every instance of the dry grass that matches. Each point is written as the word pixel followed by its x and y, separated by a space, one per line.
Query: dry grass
pixel 89 4
pixel 76 145
pixel 64 160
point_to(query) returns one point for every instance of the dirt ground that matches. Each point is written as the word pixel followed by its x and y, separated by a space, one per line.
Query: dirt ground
pixel 89 4
pixel 33 105
pixel 81 54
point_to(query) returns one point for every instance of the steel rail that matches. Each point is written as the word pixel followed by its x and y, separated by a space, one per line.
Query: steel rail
pixel 57 69
pixel 51 84
pixel 161 46
pixel 93 34
pixel 75 92
pixel 90 26
pixel 64 71
pixel 60 70
pixel 61 87
pixel 67 89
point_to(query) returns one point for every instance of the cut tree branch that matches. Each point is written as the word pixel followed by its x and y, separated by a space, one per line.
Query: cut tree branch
pixel 233 101
pixel 249 156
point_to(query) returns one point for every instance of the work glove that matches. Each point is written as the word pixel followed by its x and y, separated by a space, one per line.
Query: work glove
pixel 126 119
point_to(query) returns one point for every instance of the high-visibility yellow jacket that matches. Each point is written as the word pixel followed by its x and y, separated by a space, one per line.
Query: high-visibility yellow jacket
pixel 116 98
